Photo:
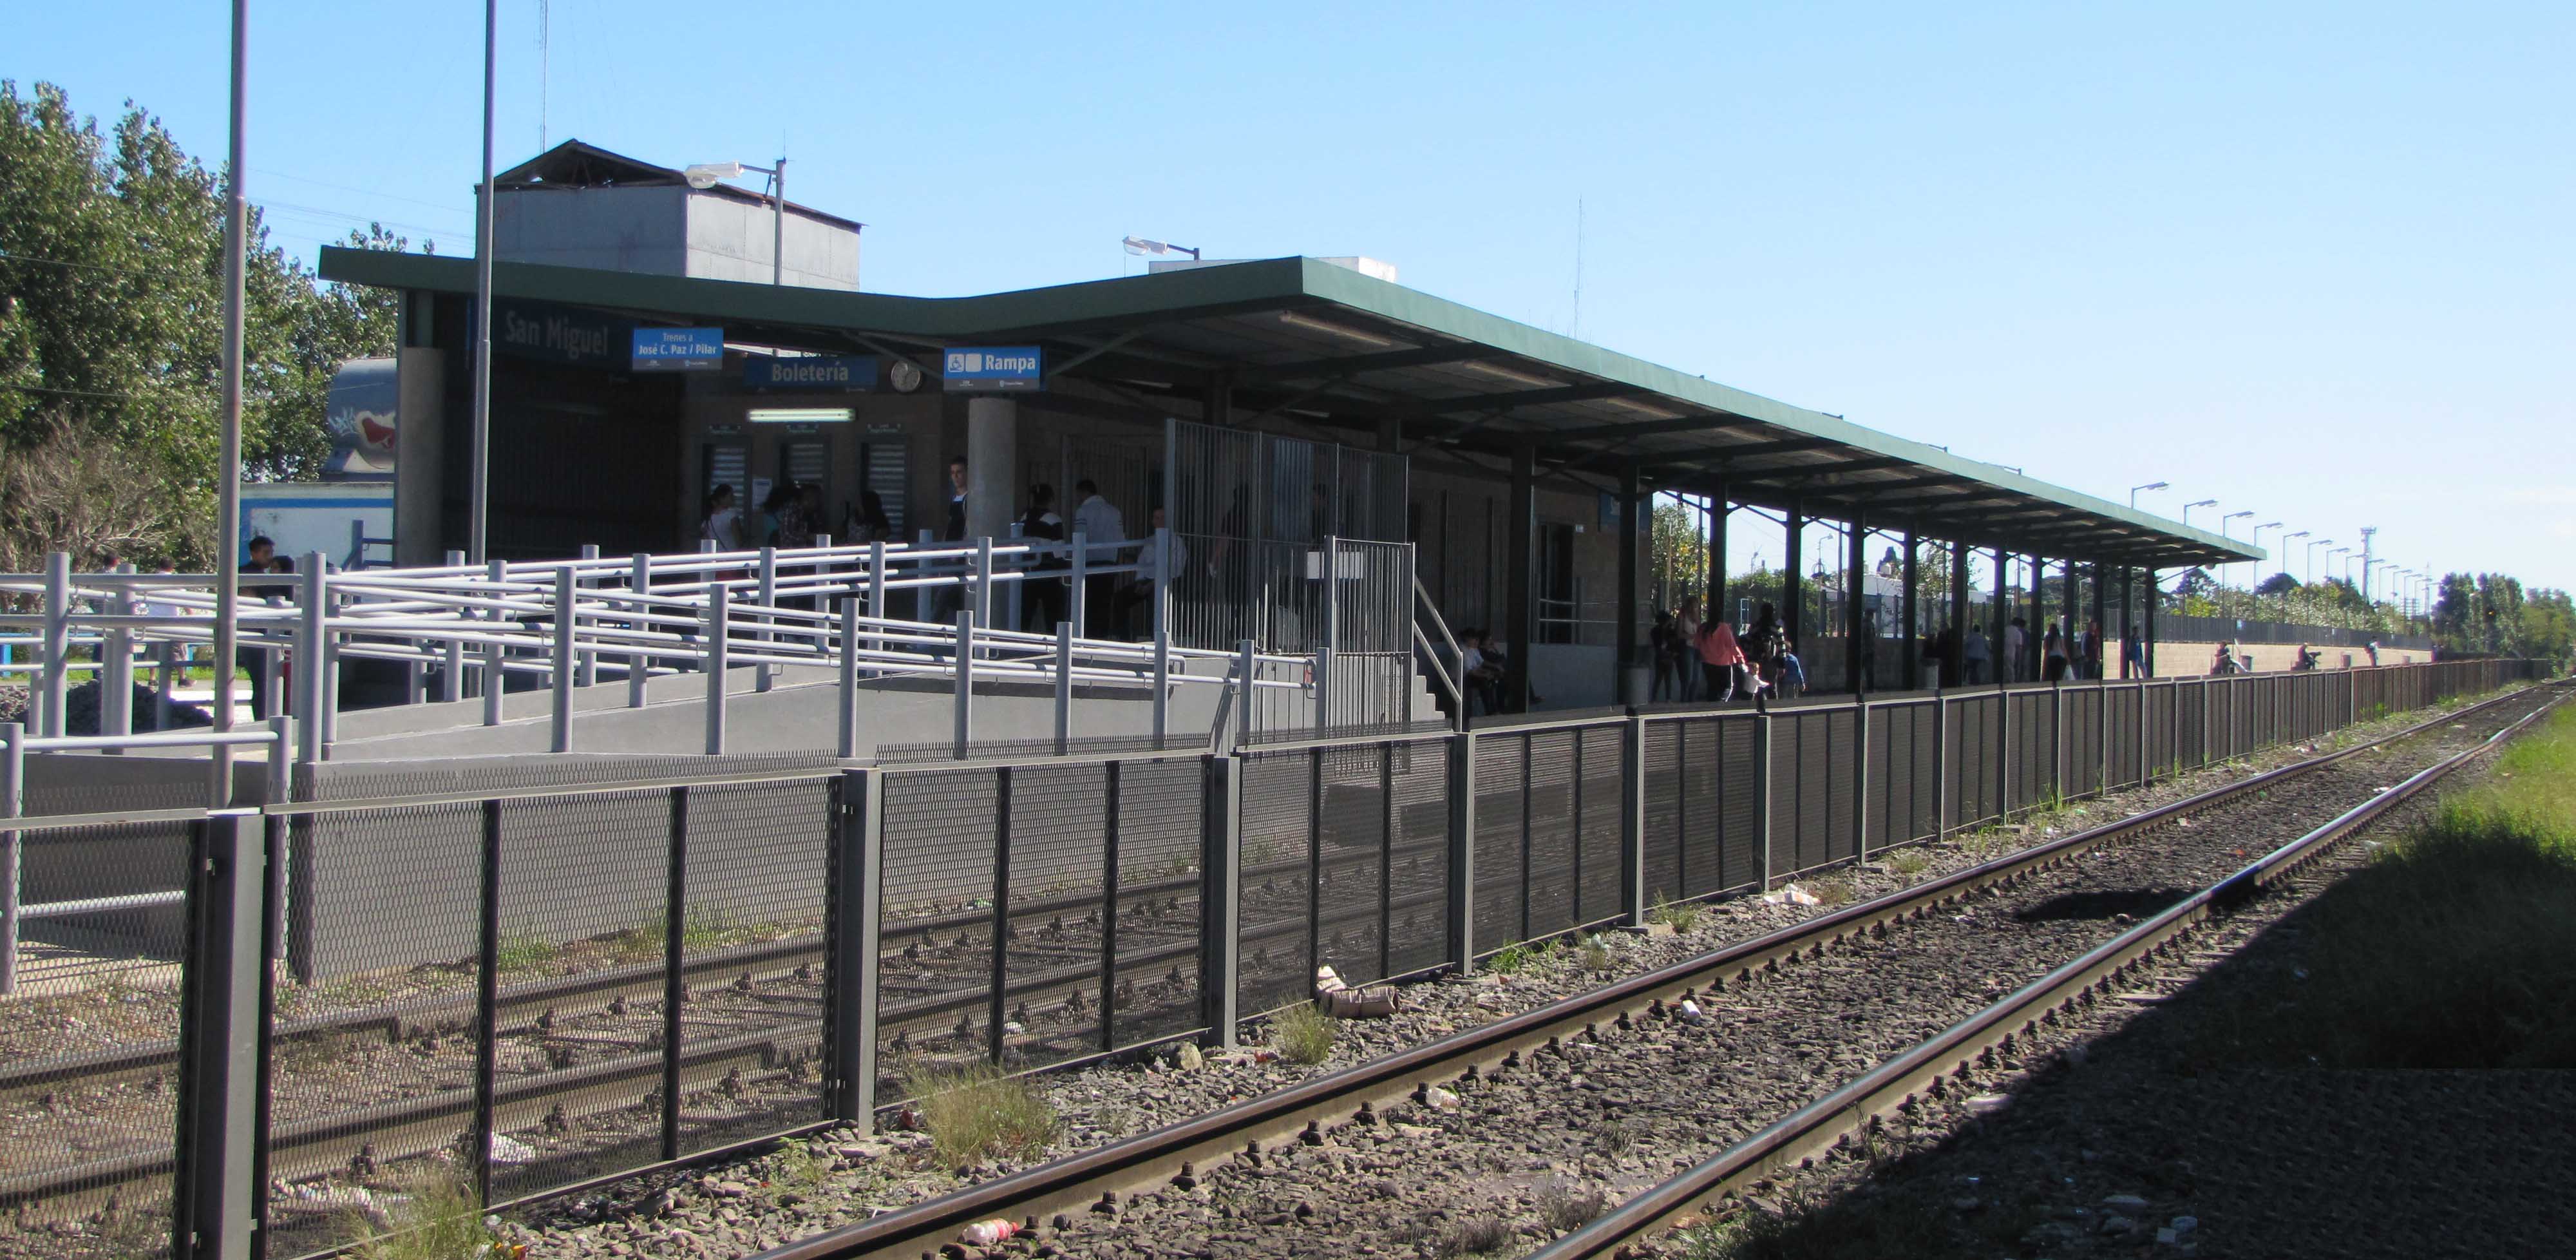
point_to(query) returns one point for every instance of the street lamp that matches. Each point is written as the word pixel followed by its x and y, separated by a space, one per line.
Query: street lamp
pixel 2186 509
pixel 2222 527
pixel 1139 245
pixel 2258 541
pixel 705 175
pixel 2313 544
pixel 2133 492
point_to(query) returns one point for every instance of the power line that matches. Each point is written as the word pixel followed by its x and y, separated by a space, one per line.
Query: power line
pixel 369 192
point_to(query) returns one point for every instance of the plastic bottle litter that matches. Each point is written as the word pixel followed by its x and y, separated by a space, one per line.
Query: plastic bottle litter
pixel 1441 1099
pixel 1790 895
pixel 987 1233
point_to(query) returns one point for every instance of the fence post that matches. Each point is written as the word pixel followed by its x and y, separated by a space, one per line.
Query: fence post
pixel 1221 875
pixel 451 682
pixel 565 659
pixel 1943 800
pixel 719 620
pixel 1860 778
pixel 1632 821
pixel 495 682
pixel 1250 667
pixel 1761 788
pixel 1077 599
pixel 853 970
pixel 1332 636
pixel 589 674
pixel 2002 757
pixel 848 744
pixel 165 670
pixel 965 645
pixel 639 582
pixel 675 986
pixel 116 656
pixel 1462 852
pixel 767 675
pixel 983 601
pixel 331 677
pixel 876 593
pixel 1113 776
pixel 1162 682
pixel 308 662
pixel 220 1198
pixel 53 689
pixel 13 797
pixel 1064 688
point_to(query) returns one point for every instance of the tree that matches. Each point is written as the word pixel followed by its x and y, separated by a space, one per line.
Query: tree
pixel 1678 551
pixel 2454 608
pixel 111 256
pixel 2278 584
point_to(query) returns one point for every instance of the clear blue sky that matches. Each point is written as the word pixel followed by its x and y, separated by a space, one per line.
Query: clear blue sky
pixel 2309 259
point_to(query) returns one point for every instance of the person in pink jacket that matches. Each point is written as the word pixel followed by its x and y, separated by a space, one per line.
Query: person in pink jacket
pixel 1720 658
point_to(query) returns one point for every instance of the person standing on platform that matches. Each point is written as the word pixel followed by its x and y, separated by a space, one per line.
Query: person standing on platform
pixel 1973 655
pixel 1721 658
pixel 2052 649
pixel 2016 648
pixel 2133 654
pixel 1687 624
pixel 1099 522
pixel 1136 598
pixel 2093 657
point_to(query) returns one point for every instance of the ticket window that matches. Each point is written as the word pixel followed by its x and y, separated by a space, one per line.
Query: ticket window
pixel 807 461
pixel 727 464
pixel 884 468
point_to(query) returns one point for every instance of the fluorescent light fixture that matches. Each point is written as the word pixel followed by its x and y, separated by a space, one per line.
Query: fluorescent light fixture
pixel 1647 409
pixel 1507 374
pixel 1295 320
pixel 800 415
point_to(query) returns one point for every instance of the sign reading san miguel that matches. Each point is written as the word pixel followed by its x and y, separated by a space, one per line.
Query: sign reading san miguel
pixel 558 334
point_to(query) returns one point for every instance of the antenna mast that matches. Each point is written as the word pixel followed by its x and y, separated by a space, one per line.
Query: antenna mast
pixel 543 60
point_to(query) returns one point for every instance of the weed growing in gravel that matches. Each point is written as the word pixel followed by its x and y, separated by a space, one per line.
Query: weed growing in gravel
pixel 1832 891
pixel 1682 915
pixel 439 1219
pixel 524 950
pixel 1303 1034
pixel 701 927
pixel 801 1166
pixel 1473 1238
pixel 1565 1207
pixel 1908 862
pixel 1509 959
pixel 977 1112
pixel 1616 1138
pixel 1596 955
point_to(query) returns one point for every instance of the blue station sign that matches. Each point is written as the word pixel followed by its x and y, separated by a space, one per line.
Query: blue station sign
pixel 819 374
pixel 678 349
pixel 995 368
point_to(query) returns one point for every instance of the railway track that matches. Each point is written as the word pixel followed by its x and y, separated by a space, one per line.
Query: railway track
pixel 1955 1051
pixel 1213 1171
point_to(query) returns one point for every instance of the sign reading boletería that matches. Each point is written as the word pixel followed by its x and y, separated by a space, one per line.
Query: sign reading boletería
pixel 994 368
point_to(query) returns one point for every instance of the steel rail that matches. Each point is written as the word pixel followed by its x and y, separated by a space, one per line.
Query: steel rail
pixel 1817 1127
pixel 1148 1160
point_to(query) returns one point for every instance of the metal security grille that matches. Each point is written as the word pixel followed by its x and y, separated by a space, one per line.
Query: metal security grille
pixel 1971 759
pixel 102 927
pixel 1277 889
pixel 1664 796
pixel 1502 814
pixel 1904 790
pixel 1418 891
pixel 2082 714
pixel 1254 511
pixel 1159 859
pixel 1599 785
pixel 1552 859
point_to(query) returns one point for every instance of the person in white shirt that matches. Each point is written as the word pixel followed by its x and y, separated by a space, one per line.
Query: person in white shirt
pixel 1098 521
pixel 2016 642
pixel 1136 602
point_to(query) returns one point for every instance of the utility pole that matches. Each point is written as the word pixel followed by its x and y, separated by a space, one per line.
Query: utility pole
pixel 228 477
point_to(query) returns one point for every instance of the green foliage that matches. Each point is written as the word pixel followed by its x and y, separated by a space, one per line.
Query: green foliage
pixel 1596 955
pixel 524 950
pixel 439 1219
pixel 111 257
pixel 1303 1034
pixel 1683 915
pixel 976 1113
pixel 1509 959
pixel 1908 862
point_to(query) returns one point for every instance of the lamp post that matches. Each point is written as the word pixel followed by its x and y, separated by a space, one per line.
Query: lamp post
pixel 2285 541
pixel 2133 492
pixel 2346 553
pixel 2222 525
pixel 2258 541
pixel 2313 544
pixel 2186 508
pixel 705 175
pixel 479 475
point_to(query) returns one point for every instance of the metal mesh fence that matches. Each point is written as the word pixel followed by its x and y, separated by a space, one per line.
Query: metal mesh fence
pixel 377 1030
pixel 1418 906
pixel 1502 835
pixel 1599 785
pixel 1272 957
pixel 89 1063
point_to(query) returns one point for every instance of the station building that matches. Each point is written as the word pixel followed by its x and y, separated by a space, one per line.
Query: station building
pixel 641 357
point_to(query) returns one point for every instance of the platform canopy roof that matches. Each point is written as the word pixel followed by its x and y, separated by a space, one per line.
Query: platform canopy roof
pixel 1321 345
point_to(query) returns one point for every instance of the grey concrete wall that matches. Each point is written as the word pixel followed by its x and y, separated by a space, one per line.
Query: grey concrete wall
pixel 615 229
pixel 731 240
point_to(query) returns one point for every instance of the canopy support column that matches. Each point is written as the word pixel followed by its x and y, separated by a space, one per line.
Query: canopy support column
pixel 1791 593
pixel 1520 614
pixel 1907 642
pixel 1632 536
pixel 1718 510
pixel 1856 669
